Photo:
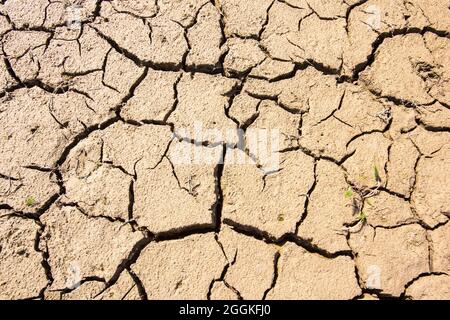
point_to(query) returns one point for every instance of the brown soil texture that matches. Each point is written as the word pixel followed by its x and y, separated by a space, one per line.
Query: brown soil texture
pixel 94 114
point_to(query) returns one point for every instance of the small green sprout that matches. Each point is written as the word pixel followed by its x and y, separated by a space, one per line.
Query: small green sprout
pixel 348 193
pixel 362 216
pixel 376 174
pixel 30 201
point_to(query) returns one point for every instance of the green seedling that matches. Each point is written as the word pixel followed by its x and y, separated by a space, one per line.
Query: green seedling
pixel 362 216
pixel 348 193
pixel 30 201
pixel 376 174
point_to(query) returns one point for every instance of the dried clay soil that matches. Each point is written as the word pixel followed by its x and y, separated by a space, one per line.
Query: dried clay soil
pixel 95 205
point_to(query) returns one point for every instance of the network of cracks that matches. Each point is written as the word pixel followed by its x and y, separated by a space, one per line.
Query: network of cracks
pixel 96 204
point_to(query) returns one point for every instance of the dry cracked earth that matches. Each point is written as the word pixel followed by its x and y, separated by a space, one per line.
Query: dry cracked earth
pixel 95 205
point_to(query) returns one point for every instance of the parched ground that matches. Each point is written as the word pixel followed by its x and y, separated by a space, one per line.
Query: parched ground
pixel 100 98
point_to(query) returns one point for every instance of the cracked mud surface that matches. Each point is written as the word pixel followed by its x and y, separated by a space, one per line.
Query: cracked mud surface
pixel 94 117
